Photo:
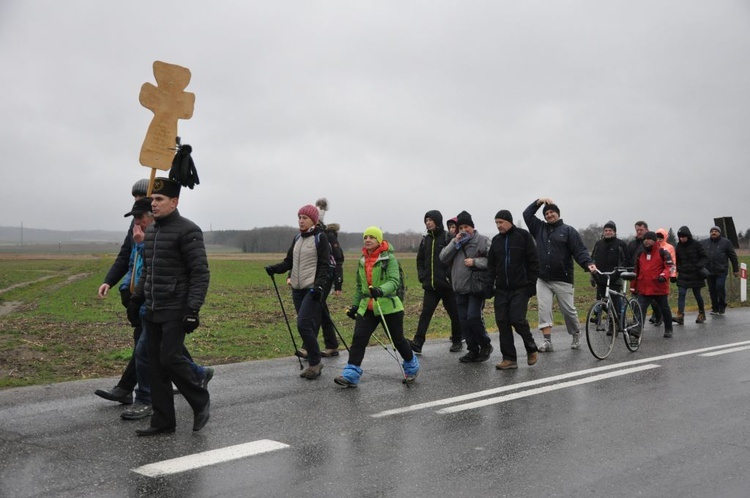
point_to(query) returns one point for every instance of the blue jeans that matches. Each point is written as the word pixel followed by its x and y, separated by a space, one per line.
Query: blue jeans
pixel 682 292
pixel 718 292
pixel 471 317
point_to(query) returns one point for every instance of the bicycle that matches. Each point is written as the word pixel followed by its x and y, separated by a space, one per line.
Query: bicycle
pixel 604 321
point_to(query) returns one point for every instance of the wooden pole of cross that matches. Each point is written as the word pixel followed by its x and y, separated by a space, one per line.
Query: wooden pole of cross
pixel 169 103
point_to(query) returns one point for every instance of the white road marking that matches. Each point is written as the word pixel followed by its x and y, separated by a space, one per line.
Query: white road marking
pixel 545 389
pixel 521 385
pixel 206 458
pixel 733 350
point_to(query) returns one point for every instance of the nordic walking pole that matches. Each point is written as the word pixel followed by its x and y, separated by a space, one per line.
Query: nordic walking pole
pixel 324 307
pixel 388 334
pixel 283 311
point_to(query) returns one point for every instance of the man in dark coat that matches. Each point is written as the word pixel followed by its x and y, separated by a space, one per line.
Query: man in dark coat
pixel 609 253
pixel 720 252
pixel 513 267
pixel 691 273
pixel 174 286
pixel 434 275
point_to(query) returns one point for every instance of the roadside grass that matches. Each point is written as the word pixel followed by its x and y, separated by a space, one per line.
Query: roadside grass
pixel 60 330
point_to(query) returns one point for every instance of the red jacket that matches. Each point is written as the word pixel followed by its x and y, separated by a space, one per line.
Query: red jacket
pixel 650 265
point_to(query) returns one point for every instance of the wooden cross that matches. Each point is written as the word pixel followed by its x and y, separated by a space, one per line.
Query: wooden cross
pixel 169 103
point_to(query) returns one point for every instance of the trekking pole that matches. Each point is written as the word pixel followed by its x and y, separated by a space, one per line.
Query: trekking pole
pixel 388 334
pixel 324 307
pixel 283 311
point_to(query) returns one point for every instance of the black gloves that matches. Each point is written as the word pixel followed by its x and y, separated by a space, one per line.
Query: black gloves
pixel 352 312
pixel 673 279
pixel 531 290
pixel 316 293
pixel 190 322
pixel 661 279
pixel 376 292
pixel 269 270
pixel 134 311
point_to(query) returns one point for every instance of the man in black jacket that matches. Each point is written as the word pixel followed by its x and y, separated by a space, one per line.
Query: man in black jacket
pixel 609 253
pixel 558 245
pixel 434 275
pixel 174 286
pixel 719 251
pixel 513 267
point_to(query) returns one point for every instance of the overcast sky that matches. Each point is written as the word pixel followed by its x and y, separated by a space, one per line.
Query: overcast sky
pixel 617 110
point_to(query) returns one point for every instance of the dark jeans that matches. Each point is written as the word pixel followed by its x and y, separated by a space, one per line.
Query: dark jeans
pixel 366 325
pixel 682 293
pixel 326 324
pixel 167 364
pixel 429 304
pixel 308 322
pixel 718 292
pixel 471 317
pixel 511 307
pixel 662 304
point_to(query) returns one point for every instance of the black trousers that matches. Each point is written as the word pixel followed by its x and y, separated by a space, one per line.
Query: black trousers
pixel 429 304
pixel 511 307
pixel 366 325
pixel 167 364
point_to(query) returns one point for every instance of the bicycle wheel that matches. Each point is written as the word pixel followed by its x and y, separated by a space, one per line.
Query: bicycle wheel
pixel 600 329
pixel 633 325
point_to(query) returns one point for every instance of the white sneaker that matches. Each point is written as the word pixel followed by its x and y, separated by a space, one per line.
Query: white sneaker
pixel 546 346
pixel 576 344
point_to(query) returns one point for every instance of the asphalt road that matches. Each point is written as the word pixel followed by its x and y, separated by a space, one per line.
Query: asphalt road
pixel 669 420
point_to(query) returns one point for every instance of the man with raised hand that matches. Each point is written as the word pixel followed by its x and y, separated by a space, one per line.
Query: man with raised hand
pixel 558 245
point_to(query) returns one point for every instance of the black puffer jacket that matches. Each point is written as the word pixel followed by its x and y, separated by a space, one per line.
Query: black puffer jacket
pixel 691 259
pixel 720 253
pixel 513 262
pixel 175 267
pixel 433 274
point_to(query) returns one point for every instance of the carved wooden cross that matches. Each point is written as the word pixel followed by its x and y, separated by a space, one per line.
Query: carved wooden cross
pixel 169 103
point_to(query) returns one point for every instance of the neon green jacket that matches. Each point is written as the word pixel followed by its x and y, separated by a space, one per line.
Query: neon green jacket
pixel 382 267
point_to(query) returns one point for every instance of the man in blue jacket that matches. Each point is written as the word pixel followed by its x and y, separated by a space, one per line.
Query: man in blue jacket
pixel 558 245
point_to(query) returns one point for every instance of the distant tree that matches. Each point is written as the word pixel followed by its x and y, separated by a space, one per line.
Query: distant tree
pixel 671 238
pixel 591 234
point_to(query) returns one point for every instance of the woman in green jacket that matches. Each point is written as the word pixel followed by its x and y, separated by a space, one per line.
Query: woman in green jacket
pixel 376 302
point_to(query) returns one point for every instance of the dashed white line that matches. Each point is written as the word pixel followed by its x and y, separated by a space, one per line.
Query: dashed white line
pixel 546 380
pixel 545 389
pixel 726 351
pixel 206 458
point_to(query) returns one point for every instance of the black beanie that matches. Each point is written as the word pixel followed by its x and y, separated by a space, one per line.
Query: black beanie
pixel 464 218
pixel 650 235
pixel 551 207
pixel 611 224
pixel 504 214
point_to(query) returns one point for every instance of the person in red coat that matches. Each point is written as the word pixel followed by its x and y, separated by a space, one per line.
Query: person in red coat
pixel 653 267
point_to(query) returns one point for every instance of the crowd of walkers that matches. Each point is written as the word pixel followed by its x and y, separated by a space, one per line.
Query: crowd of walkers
pixel 165 272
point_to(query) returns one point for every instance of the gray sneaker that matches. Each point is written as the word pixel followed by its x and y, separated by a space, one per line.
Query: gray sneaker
pixel 138 411
pixel 576 344
pixel 546 346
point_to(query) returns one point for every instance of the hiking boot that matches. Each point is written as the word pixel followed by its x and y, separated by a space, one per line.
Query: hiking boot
pixel 209 374
pixel 343 382
pixel 411 369
pixel 701 317
pixel 485 352
pixel 415 347
pixel 329 352
pixel 301 353
pixel 652 319
pixel 117 393
pixel 457 346
pixel 714 312
pixel 469 357
pixel 138 411
pixel 531 358
pixel 576 343
pixel 312 372
pixel 546 346
pixel 679 319
pixel 668 334
pixel 658 322
pixel 507 365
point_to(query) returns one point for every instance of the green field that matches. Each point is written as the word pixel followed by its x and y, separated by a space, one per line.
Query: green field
pixel 60 330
